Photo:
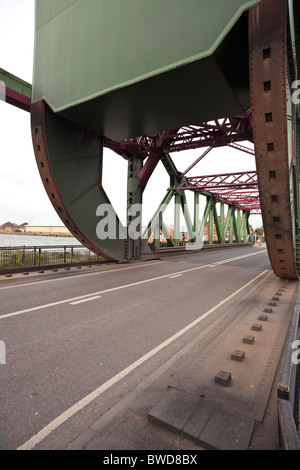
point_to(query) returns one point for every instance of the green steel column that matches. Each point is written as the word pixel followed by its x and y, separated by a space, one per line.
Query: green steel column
pixel 227 222
pixel 196 211
pixel 243 232
pixel 187 216
pixel 167 234
pixel 217 223
pixel 134 220
pixel 222 223
pixel 156 232
pixel 231 223
pixel 154 221
pixel 176 219
pixel 204 220
pixel 235 227
pixel 238 225
pixel 211 222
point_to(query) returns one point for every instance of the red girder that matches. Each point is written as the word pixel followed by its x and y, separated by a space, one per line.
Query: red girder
pixel 239 189
pixel 242 180
pixel 217 133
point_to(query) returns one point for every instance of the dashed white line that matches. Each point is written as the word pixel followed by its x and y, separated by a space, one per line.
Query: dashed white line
pixel 85 300
pixel 125 286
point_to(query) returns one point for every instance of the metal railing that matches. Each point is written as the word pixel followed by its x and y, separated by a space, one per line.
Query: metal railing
pixel 26 257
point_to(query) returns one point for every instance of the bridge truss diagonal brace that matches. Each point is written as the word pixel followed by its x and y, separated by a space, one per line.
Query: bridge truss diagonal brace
pixel 214 227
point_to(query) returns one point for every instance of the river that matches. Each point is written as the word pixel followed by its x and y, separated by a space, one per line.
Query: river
pixel 19 240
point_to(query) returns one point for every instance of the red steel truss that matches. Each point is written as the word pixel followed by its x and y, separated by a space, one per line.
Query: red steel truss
pixel 239 189
pixel 217 133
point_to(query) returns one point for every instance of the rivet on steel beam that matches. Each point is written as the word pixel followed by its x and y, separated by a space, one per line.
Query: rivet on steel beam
pixel 272 304
pixel 278 293
pixel 248 339
pixel 238 355
pixel 256 327
pixel 223 377
pixel 263 317
pixel 275 298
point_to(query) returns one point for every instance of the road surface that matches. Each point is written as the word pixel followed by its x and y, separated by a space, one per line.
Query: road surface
pixel 78 341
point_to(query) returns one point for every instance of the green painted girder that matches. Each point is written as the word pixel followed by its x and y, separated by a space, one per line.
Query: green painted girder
pixel 95 62
pixel 15 91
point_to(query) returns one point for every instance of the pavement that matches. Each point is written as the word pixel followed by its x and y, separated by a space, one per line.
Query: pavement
pixel 221 397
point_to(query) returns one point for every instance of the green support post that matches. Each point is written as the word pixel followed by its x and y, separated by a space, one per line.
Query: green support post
pixel 231 223
pixel 238 225
pixel 217 223
pixel 211 222
pixel 222 223
pixel 176 219
pixel 134 196
pixel 196 212
pixel 187 216
pixel 204 219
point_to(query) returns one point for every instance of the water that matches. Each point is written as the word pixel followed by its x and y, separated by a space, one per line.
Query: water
pixel 19 240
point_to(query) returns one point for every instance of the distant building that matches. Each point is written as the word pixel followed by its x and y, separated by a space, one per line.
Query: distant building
pixel 48 230
pixel 12 227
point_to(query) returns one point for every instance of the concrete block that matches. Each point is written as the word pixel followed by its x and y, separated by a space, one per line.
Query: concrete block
pixel 256 327
pixel 248 339
pixel 268 310
pixel 263 317
pixel 238 355
pixel 223 377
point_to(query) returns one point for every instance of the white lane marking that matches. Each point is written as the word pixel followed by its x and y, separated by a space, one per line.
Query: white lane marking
pixel 175 275
pixel 43 433
pixel 86 300
pixel 125 286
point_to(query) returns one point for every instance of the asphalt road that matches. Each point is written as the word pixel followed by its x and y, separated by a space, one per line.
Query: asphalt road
pixel 78 341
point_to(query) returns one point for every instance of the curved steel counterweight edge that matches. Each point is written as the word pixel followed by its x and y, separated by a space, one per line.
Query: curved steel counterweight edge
pixel 267 64
pixel 44 163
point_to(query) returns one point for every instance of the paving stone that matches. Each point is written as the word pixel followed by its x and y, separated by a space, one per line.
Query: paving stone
pixel 199 419
pixel 226 431
pixel 174 409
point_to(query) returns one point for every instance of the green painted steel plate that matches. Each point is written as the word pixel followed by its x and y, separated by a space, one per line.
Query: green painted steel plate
pixel 88 50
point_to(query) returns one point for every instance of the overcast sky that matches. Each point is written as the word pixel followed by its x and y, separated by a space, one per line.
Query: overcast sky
pixel 22 195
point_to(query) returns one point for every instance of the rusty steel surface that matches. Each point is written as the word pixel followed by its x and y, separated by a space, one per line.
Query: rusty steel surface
pixel 268 84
